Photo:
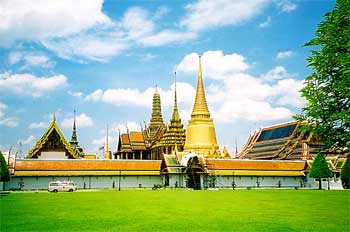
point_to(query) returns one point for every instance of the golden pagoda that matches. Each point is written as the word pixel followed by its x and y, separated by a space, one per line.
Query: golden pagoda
pixel 200 134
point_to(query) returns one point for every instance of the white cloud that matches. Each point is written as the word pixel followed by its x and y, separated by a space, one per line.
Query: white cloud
pixel 141 28
pixel 121 97
pixel 81 120
pixel 266 23
pixel 137 23
pixel 100 141
pixel 131 125
pixel 3 107
pixel 30 59
pixel 36 125
pixel 28 140
pixel 98 47
pixel 204 14
pixel 166 37
pixel 9 122
pixel 21 19
pixel 160 12
pixel 75 94
pixel 238 95
pixel 288 90
pixel 286 6
pixel 215 64
pixel 29 84
pixel 284 54
pixel 279 72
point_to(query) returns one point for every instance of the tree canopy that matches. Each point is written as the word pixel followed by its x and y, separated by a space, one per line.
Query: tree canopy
pixel 4 171
pixel 327 88
pixel 320 169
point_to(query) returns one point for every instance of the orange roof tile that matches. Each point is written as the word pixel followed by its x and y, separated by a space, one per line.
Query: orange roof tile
pixel 125 139
pixel 87 165
pixel 137 137
pixel 273 165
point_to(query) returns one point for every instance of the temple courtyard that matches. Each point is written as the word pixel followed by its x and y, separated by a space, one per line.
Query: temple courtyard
pixel 177 210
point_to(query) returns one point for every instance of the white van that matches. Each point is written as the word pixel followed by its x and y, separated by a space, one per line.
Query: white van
pixel 62 186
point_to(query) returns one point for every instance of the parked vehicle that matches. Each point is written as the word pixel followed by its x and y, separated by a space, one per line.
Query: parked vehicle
pixel 62 186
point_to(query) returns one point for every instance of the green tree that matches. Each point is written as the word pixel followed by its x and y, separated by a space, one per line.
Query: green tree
pixel 4 171
pixel 320 169
pixel 345 173
pixel 327 89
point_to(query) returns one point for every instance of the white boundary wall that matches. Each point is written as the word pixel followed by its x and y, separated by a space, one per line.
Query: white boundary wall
pixel 87 182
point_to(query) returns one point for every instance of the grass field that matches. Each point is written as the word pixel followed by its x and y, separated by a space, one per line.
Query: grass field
pixel 177 210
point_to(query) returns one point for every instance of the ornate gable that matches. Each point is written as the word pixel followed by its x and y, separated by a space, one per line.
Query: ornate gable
pixel 53 140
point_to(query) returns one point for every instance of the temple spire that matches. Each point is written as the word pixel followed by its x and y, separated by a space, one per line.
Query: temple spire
pixel 74 139
pixel 156 117
pixel 175 116
pixel 200 133
pixel 200 108
pixel 107 149
pixel 107 153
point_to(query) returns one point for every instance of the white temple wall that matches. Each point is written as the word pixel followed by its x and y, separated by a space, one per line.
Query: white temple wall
pixel 87 182
pixel 176 179
pixel 255 181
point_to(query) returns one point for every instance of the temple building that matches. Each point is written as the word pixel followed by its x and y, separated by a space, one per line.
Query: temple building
pixel 53 145
pixel 131 145
pixel 174 137
pixel 282 141
pixel 200 134
pixel 278 156
pixel 156 128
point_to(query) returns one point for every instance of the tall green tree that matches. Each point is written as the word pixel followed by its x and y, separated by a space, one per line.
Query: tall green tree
pixel 320 169
pixel 4 171
pixel 345 174
pixel 327 89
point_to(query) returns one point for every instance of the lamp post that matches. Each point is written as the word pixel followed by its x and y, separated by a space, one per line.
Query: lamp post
pixel 120 173
pixel 233 180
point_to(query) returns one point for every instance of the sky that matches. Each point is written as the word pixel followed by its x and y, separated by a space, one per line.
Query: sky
pixel 104 59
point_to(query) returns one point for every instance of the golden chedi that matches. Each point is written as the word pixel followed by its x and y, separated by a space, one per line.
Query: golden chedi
pixel 200 134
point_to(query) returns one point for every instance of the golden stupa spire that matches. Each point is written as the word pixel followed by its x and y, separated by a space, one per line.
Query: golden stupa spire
pixel 107 153
pixel 200 133
pixel 200 108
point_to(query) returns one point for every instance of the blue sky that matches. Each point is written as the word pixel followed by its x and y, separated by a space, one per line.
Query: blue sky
pixel 104 59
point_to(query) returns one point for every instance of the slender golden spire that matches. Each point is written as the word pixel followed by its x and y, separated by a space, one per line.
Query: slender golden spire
pixel 200 133
pixel 200 108
pixel 107 149
pixel 107 153
pixel 175 117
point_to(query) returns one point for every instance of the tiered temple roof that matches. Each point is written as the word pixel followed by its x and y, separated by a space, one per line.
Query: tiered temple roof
pixel 131 144
pixel 175 135
pixel 282 141
pixel 53 140
pixel 156 127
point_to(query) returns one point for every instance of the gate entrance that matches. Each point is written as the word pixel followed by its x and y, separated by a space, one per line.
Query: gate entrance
pixel 194 171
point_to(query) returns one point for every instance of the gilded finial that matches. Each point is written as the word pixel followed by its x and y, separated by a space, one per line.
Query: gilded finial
pixel 200 108
pixel 54 117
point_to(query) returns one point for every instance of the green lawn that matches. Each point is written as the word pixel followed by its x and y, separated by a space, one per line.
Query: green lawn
pixel 177 210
